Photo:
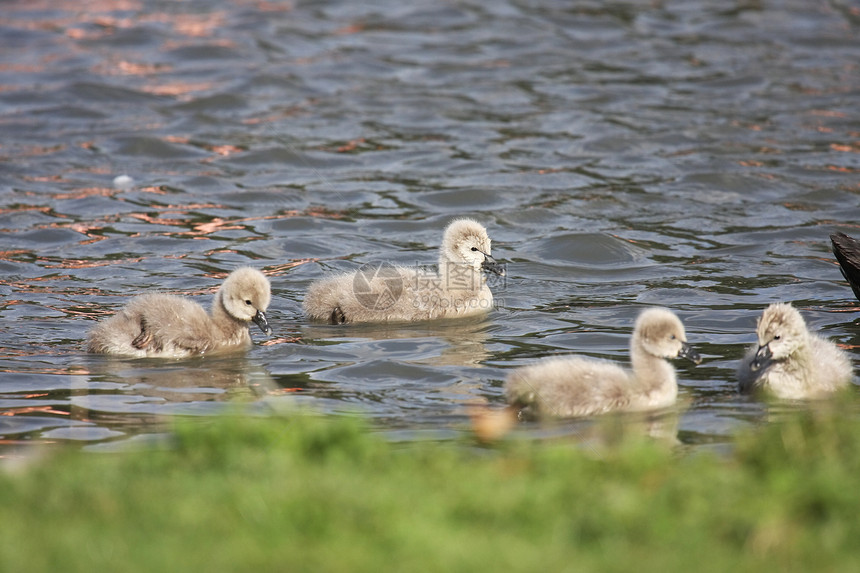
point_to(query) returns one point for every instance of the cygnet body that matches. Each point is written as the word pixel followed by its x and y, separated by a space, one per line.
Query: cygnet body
pixel 389 293
pixel 170 326
pixel 847 251
pixel 789 361
pixel 579 386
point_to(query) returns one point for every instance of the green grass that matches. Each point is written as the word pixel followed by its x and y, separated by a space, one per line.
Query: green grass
pixel 324 494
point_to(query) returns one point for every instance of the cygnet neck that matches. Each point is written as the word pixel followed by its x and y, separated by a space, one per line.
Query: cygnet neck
pixel 229 324
pixel 651 372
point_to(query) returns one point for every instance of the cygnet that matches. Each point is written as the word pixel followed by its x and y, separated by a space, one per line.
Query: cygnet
pixel 169 326
pixel 789 361
pixel 383 292
pixel 847 251
pixel 579 386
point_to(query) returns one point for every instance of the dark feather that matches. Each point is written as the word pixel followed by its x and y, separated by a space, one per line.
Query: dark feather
pixel 142 340
pixel 337 316
pixel 847 251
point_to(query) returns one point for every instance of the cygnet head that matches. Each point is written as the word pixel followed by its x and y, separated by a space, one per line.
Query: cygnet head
pixel 781 331
pixel 245 295
pixel 661 333
pixel 466 241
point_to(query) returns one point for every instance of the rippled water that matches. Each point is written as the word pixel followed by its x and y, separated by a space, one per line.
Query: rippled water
pixel 622 154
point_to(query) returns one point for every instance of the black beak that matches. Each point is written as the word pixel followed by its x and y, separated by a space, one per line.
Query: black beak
pixel 688 353
pixel 762 358
pixel 490 265
pixel 260 320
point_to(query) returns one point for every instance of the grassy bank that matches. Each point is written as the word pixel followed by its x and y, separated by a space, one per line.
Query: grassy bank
pixel 313 494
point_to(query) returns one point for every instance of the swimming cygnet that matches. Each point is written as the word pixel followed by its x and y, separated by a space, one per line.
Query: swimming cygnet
pixel 170 326
pixel 579 386
pixel 388 293
pixel 791 362
pixel 847 251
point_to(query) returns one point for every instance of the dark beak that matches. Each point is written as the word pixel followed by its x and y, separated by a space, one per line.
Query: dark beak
pixel 260 320
pixel 762 358
pixel 688 353
pixel 490 265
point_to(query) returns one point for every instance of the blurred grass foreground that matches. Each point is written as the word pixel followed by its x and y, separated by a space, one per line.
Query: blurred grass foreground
pixel 307 493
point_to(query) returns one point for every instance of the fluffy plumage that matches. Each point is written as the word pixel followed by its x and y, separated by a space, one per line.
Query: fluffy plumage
pixel 388 293
pixel 789 361
pixel 163 325
pixel 579 386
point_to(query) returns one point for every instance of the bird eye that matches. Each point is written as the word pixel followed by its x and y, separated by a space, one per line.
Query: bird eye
pixel 777 337
pixel 474 248
pixel 672 337
pixel 248 302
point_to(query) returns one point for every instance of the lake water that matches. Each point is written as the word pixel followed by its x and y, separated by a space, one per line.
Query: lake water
pixel 688 154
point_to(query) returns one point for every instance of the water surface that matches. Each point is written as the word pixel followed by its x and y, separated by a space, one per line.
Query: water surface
pixel 689 154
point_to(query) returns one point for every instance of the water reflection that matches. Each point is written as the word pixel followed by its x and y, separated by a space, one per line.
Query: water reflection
pixel 601 432
pixel 380 367
pixel 106 398
pixel 454 342
pixel 206 379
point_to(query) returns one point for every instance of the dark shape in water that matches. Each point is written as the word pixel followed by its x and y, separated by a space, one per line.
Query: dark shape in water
pixel 847 251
